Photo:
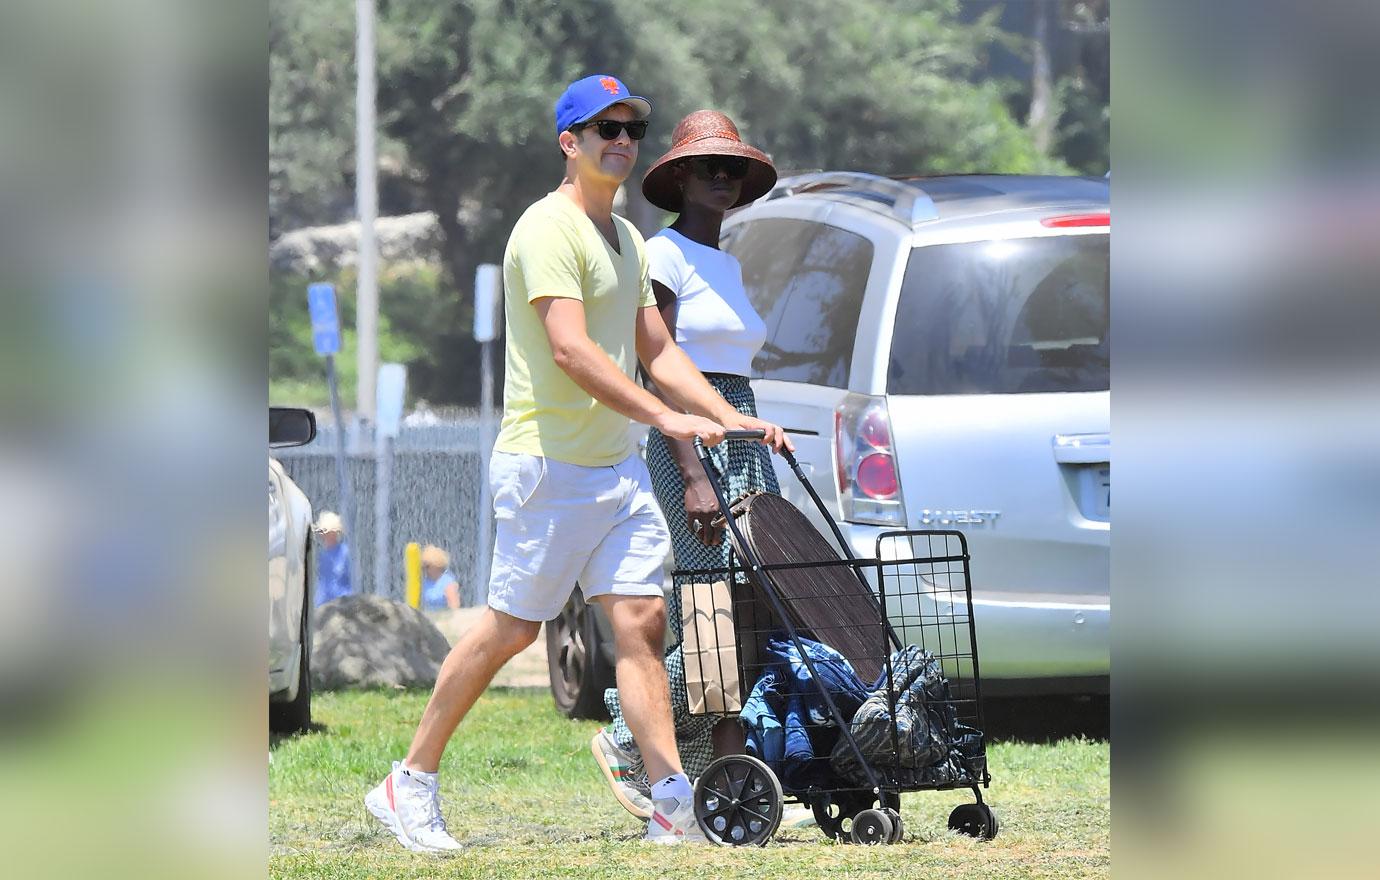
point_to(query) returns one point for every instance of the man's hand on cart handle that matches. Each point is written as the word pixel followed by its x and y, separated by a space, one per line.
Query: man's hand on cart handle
pixel 683 426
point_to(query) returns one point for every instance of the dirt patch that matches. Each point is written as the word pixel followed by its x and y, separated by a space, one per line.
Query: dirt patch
pixel 527 669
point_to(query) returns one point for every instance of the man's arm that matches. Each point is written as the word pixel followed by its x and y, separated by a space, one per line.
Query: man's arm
pixel 589 367
pixel 678 379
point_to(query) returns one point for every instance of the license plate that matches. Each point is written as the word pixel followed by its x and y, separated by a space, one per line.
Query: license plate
pixel 1102 490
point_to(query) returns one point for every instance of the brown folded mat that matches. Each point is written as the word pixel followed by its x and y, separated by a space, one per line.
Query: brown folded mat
pixel 829 600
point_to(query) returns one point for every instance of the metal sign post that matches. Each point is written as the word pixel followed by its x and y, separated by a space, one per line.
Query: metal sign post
pixel 392 386
pixel 488 298
pixel 367 207
pixel 325 337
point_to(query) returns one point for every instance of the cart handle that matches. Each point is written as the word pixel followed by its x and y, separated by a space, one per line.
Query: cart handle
pixel 753 434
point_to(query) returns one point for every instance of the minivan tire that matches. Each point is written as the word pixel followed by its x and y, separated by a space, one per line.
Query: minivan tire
pixel 579 673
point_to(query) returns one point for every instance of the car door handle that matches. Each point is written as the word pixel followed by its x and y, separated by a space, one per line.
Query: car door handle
pixel 1082 448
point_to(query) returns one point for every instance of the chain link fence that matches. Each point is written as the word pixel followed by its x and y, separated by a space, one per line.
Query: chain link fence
pixel 435 498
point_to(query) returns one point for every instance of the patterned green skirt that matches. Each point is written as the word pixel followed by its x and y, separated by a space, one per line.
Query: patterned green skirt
pixel 746 468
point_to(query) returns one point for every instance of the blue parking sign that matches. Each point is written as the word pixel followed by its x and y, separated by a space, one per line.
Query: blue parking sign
pixel 325 321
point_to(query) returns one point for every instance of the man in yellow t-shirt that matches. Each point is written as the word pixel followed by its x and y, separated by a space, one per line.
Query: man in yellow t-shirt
pixel 572 499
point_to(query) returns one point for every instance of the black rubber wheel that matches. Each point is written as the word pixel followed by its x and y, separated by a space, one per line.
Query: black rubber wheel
pixel 872 827
pixel 898 827
pixel 578 671
pixel 834 812
pixel 738 801
pixel 974 820
pixel 295 716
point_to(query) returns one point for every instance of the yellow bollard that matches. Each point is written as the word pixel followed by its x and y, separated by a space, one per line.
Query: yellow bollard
pixel 412 563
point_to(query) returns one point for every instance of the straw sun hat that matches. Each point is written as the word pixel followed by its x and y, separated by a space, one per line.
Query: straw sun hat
pixel 706 133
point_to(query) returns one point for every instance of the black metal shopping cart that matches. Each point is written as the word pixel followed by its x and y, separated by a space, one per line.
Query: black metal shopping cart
pixel 856 679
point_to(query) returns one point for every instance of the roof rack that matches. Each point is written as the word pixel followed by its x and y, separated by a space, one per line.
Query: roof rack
pixel 903 201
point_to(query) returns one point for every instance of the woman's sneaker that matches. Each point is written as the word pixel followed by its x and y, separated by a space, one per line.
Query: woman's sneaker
pixel 618 767
pixel 408 804
pixel 673 821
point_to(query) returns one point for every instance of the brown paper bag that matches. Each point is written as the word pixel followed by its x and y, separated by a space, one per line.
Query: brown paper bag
pixel 710 648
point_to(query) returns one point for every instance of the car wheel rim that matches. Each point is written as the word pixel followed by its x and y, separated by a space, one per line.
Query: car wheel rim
pixel 572 647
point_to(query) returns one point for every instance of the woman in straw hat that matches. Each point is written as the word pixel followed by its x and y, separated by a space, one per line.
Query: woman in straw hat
pixel 699 290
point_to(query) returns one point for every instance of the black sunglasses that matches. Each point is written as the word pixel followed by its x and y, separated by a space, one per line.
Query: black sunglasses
pixel 708 167
pixel 609 128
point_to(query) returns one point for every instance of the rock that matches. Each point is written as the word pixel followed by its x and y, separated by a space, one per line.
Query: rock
pixel 327 249
pixel 368 641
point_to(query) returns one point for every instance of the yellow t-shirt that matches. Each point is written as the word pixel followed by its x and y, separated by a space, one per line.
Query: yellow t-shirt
pixel 555 250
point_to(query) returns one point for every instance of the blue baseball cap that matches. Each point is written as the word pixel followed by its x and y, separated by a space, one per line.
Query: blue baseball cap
pixel 588 97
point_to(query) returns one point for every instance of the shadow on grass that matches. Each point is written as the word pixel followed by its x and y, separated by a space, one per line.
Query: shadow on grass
pixel 1047 719
pixel 275 738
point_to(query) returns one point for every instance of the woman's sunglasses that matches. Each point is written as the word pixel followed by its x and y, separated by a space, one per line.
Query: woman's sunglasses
pixel 609 128
pixel 709 167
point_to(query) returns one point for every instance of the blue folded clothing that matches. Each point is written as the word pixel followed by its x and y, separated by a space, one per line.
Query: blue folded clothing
pixel 834 671
pixel 786 716
pixel 789 725
pixel 798 746
pixel 765 737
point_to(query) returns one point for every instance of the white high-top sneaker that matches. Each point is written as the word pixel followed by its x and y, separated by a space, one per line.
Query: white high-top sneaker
pixel 673 821
pixel 407 803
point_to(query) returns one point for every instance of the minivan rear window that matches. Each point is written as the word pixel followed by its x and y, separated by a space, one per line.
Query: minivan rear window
pixel 806 280
pixel 1003 317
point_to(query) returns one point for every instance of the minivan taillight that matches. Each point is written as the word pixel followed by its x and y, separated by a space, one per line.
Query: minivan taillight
pixel 877 476
pixel 869 485
pixel 1074 221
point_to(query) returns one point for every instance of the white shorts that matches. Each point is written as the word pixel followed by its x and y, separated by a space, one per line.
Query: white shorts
pixel 560 523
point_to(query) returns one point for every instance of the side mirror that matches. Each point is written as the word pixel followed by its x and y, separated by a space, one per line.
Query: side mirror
pixel 290 426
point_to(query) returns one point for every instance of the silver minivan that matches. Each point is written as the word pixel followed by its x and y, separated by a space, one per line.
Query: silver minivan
pixel 938 349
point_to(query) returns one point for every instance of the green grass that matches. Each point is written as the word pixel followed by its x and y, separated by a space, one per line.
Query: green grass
pixel 522 792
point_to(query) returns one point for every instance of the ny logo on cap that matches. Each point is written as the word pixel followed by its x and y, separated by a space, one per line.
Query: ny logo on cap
pixel 610 85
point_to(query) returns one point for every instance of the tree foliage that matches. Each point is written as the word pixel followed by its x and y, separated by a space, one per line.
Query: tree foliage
pixel 1084 93
pixel 411 301
pixel 888 86
pixel 311 111
pixel 466 91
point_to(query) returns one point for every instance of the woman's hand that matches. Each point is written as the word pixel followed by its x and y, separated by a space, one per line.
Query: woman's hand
pixel 701 509
pixel 775 436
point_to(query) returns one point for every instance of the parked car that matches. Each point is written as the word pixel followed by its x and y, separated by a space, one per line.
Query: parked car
pixel 291 579
pixel 938 349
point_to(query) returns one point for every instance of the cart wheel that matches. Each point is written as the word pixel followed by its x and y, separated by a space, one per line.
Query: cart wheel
pixel 871 827
pixel 898 828
pixel 974 820
pixel 738 801
pixel 834 812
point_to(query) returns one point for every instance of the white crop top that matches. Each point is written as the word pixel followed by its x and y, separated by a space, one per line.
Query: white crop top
pixel 715 324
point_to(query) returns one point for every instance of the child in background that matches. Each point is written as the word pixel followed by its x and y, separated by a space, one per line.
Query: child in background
pixel 440 589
